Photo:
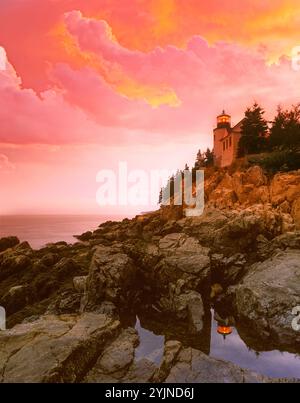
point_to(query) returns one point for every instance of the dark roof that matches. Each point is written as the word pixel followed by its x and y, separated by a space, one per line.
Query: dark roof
pixel 231 130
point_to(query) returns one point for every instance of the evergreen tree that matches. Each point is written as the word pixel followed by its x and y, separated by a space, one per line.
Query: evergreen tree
pixel 200 160
pixel 254 131
pixel 285 130
pixel 209 158
pixel 160 198
pixel 277 129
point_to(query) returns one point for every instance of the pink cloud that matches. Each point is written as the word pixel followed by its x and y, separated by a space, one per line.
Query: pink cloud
pixel 84 106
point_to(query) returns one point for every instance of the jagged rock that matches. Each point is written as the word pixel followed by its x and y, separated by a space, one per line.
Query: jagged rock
pixel 285 187
pixel 287 223
pixel 244 188
pixel 8 242
pixel 171 213
pixel 117 363
pixel 228 270
pixel 240 233
pixel 170 227
pixel 204 227
pixel 171 351
pixel 184 267
pixel 183 256
pixel 80 283
pixel 111 277
pixel 285 207
pixel 23 247
pixel 50 259
pixel 12 262
pixel 251 186
pixel 268 294
pixel 54 348
pixel 193 366
pixel 189 306
pixel 66 303
pixel 86 236
pixel 109 309
pixel 66 267
pixel 287 240
pixel 16 298
pixel 140 371
pixel 115 359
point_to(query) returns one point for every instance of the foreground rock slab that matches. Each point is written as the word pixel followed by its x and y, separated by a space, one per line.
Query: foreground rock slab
pixel 54 348
pixel 267 296
pixel 193 366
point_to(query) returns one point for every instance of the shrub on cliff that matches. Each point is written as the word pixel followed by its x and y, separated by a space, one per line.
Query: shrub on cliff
pixel 278 161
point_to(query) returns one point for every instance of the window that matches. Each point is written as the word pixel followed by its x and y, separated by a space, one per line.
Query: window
pixel 230 142
pixel 224 146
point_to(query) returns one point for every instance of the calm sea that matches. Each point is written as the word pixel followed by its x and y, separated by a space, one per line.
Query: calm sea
pixel 39 230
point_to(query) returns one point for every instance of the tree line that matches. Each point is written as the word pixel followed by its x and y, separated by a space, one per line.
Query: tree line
pixel 258 135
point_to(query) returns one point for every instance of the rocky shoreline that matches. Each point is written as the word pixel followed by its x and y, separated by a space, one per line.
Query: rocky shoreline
pixel 71 309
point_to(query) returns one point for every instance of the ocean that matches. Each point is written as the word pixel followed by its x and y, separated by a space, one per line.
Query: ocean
pixel 39 230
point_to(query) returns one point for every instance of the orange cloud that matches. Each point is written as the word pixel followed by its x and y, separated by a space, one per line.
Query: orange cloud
pixel 109 69
pixel 271 25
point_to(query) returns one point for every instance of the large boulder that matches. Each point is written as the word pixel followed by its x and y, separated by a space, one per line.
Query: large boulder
pixel 8 242
pixel 251 186
pixel 12 263
pixel 184 267
pixel 16 298
pixel 265 299
pixel 242 229
pixel 285 187
pixel 111 278
pixel 183 258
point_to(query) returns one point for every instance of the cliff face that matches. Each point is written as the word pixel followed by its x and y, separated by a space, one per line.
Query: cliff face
pixel 252 187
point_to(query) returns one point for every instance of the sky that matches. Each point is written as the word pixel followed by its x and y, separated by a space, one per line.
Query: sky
pixel 85 84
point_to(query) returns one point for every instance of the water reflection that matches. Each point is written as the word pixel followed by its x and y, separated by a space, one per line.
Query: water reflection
pixel 271 363
pixel 151 345
pixel 219 339
pixel 224 331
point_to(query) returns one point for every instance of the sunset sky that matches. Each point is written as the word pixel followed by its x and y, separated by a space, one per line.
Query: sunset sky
pixel 89 83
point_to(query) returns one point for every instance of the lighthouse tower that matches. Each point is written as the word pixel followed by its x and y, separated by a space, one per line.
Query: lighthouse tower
pixel 221 132
pixel 226 140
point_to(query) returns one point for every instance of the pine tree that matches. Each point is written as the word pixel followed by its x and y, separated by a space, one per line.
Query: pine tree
pixel 277 129
pixel 285 130
pixel 160 198
pixel 254 131
pixel 209 158
pixel 200 160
